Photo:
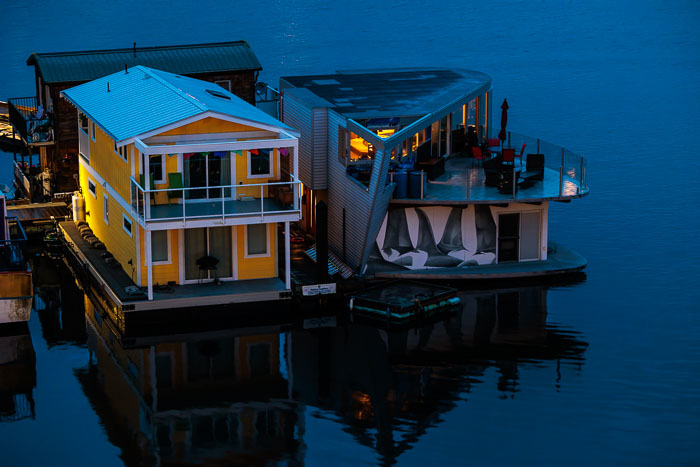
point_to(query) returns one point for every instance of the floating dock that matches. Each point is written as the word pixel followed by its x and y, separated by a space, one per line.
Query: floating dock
pixel 403 301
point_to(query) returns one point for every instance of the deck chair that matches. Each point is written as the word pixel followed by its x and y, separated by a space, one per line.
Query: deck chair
pixel 174 181
pixel 142 182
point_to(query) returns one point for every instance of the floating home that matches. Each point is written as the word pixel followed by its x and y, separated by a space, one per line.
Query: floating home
pixel 49 124
pixel 397 157
pixel 185 187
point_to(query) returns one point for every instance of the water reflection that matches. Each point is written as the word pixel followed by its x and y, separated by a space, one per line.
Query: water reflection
pixel 203 398
pixel 240 395
pixel 398 382
pixel 58 302
pixel 17 374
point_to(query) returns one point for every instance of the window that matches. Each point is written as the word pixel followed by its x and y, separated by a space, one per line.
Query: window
pixel 224 83
pixel 156 168
pixel 106 202
pixel 160 246
pixel 259 163
pixel 83 122
pixel 342 145
pixel 92 130
pixel 92 188
pixel 256 240
pixel 126 224
pixel 122 152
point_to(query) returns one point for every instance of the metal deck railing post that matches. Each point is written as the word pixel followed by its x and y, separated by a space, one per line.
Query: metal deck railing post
pixel 262 215
pixel 561 174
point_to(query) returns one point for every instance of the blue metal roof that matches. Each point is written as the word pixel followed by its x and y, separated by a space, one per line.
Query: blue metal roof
pixel 64 67
pixel 128 104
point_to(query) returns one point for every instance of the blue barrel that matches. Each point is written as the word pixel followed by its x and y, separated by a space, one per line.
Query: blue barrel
pixel 401 180
pixel 414 184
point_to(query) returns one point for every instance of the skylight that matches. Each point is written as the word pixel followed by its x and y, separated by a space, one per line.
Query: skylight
pixel 218 94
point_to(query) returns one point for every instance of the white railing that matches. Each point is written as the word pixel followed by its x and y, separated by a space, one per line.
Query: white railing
pixel 222 201
pixel 84 143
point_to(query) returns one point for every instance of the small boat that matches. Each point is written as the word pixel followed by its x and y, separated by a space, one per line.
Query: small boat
pixel 16 290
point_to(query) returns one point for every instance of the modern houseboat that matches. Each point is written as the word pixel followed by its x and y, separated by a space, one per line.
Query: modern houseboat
pixel 49 125
pixel 184 189
pixel 415 184
pixel 15 272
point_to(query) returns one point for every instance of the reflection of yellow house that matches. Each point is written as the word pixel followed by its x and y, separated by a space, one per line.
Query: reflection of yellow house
pixel 202 399
pixel 185 183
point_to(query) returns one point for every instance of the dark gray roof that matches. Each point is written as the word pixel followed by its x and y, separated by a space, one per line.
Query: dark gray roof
pixel 64 67
pixel 388 93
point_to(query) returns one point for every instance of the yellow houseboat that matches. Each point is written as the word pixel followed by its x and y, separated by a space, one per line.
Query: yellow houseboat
pixel 184 188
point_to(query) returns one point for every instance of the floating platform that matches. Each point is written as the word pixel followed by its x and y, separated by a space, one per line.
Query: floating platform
pixel 403 301
pixel 560 260
pixel 123 298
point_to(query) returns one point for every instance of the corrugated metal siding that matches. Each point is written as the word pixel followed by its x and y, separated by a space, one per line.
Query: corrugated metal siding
pixel 183 59
pixel 345 193
pixel 319 158
pixel 297 116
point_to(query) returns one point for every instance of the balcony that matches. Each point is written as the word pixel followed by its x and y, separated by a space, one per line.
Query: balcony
pixel 546 172
pixel 33 123
pixel 227 204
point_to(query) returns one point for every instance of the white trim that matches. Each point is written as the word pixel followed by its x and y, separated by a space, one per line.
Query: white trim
pixel 105 207
pixel 170 258
pixel 275 143
pixel 94 185
pixel 149 267
pixel 133 165
pixel 206 114
pixel 137 226
pixel 234 251
pixel 108 188
pixel 267 243
pixel 270 174
pixel 181 255
pixel 287 261
pixel 131 222
pixel 254 218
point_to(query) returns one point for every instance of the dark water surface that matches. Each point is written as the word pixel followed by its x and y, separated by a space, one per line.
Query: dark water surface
pixel 604 370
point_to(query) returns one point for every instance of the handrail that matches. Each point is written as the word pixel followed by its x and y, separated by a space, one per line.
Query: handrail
pixel 142 209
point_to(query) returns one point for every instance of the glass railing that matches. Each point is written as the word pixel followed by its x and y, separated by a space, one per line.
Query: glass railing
pixel 545 171
pixel 31 121
pixel 224 201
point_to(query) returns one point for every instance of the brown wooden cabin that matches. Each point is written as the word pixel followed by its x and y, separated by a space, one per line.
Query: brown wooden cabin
pixel 50 122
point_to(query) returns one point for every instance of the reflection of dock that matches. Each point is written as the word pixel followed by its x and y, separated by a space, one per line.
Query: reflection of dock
pixel 17 375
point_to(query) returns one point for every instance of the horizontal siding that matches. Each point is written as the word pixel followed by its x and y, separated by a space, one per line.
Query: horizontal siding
pixel 345 193
pixel 116 240
pixel 109 164
pixel 319 156
pixel 208 125
pixel 297 116
pixel 257 268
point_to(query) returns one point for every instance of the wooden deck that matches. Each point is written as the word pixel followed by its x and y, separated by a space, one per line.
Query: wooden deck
pixel 464 182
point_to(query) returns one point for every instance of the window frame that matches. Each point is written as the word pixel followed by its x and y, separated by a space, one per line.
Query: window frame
pixel 92 187
pixel 268 251
pixel 170 256
pixel 121 152
pixel 93 131
pixel 105 206
pixel 228 81
pixel 130 230
pixel 161 180
pixel 271 172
